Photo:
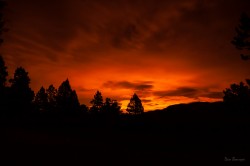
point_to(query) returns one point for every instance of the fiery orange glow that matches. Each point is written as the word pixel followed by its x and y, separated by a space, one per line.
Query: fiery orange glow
pixel 167 52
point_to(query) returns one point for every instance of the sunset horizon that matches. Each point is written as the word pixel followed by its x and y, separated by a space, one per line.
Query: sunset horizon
pixel 166 52
pixel 124 82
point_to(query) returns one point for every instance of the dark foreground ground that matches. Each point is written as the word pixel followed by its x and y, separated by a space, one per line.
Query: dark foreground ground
pixel 156 138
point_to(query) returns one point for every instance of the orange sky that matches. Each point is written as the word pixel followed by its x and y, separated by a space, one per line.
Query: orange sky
pixel 166 51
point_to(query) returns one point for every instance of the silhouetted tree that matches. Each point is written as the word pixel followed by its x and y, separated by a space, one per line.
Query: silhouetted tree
pixel 111 107
pixel 4 95
pixel 41 100
pixel 135 106
pixel 241 40
pixel 238 95
pixel 107 105
pixel 67 100
pixel 97 103
pixel 3 73
pixel 21 94
pixel 75 102
pixel 51 95
pixel 115 108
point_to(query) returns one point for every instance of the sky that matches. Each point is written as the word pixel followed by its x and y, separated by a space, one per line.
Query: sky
pixel 165 51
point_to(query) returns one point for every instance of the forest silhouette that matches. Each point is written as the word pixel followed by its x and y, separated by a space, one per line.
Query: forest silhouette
pixel 51 127
pixel 19 99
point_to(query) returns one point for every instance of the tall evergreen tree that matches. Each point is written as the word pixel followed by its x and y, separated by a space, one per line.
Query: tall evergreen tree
pixel 41 100
pixel 67 100
pixel 115 108
pixel 97 103
pixel 135 106
pixel 4 95
pixel 74 101
pixel 3 73
pixel 20 84
pixel 111 107
pixel 52 97
pixel 241 40
pixel 107 105
pixel 21 93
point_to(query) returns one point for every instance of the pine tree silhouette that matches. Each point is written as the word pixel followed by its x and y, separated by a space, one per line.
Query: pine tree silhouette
pixel 241 40
pixel 4 91
pixel 41 100
pixel 67 100
pixel 3 73
pixel 21 94
pixel 97 103
pixel 111 107
pixel 52 96
pixel 135 106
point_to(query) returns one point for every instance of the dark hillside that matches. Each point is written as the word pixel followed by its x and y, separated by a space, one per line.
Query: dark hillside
pixel 185 133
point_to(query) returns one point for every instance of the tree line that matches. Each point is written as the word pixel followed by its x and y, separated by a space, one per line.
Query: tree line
pixel 21 99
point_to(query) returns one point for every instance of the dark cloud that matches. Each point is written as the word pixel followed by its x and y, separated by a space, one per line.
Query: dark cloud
pixel 146 101
pixel 121 24
pixel 48 22
pixel 138 86
pixel 213 95
pixel 152 104
pixel 190 92
pixel 181 91
pixel 125 36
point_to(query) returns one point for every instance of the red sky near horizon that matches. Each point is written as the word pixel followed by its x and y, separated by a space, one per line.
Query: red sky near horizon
pixel 166 51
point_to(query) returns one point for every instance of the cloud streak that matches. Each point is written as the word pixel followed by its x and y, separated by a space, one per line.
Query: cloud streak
pixel 190 92
pixel 137 86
